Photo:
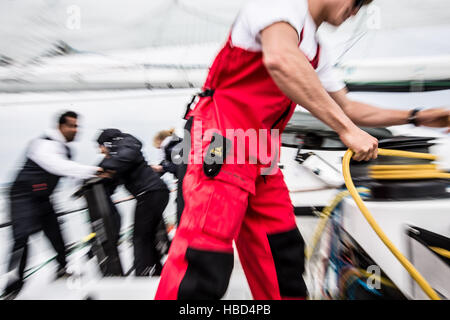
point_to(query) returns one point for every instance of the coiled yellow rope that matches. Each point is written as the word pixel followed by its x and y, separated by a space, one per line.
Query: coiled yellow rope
pixel 413 171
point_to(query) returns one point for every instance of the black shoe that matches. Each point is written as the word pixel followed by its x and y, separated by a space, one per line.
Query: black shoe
pixel 62 273
pixel 10 295
pixel 12 290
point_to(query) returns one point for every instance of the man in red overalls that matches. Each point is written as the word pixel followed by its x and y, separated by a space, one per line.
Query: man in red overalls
pixel 270 63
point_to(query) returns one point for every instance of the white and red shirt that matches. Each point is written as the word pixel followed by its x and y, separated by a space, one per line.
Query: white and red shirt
pixel 257 15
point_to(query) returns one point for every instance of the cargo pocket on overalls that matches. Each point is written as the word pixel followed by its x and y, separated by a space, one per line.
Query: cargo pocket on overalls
pixel 228 197
pixel 225 210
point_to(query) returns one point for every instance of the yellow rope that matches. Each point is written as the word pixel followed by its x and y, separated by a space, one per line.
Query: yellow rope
pixel 88 237
pixel 392 175
pixel 406 154
pixel 362 207
pixel 413 171
pixel 441 251
pixel 324 217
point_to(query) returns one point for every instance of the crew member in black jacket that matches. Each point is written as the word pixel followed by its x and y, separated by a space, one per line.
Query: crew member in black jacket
pixel 172 147
pixel 48 158
pixel 123 157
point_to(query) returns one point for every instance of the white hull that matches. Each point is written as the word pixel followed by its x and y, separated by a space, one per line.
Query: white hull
pixel 106 109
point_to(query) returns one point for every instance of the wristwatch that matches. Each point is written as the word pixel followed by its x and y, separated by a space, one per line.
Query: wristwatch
pixel 412 118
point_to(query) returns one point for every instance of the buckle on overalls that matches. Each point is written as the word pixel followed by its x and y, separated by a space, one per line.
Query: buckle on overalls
pixel 205 93
pixel 215 155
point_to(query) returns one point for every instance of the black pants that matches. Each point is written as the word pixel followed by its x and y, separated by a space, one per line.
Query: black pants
pixel 181 172
pixel 149 209
pixel 29 215
pixel 116 219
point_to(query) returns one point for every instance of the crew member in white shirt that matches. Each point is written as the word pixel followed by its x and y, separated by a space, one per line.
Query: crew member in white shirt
pixel 48 158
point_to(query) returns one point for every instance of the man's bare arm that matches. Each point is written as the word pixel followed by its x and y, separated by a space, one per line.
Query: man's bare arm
pixel 294 75
pixel 367 115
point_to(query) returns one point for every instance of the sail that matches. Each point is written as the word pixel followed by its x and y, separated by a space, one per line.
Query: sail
pixel 59 45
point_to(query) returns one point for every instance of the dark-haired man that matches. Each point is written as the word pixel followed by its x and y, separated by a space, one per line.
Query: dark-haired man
pixel 271 62
pixel 48 158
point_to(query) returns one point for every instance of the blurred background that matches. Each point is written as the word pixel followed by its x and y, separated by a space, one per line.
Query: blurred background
pixel 33 29
pixel 134 65
pixel 98 55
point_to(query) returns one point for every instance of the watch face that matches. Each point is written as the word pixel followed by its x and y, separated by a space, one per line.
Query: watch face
pixel 413 116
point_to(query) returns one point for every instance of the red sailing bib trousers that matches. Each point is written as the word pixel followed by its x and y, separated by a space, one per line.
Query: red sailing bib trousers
pixel 240 203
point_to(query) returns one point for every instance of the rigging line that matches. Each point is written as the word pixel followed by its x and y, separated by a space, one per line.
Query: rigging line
pixel 64 213
pixel 354 38
pixel 45 32
pixel 176 66
pixel 162 93
pixel 153 12
pixel 159 28
pixel 145 66
pixel 165 8
pixel 339 59
pixel 157 11
pixel 202 15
